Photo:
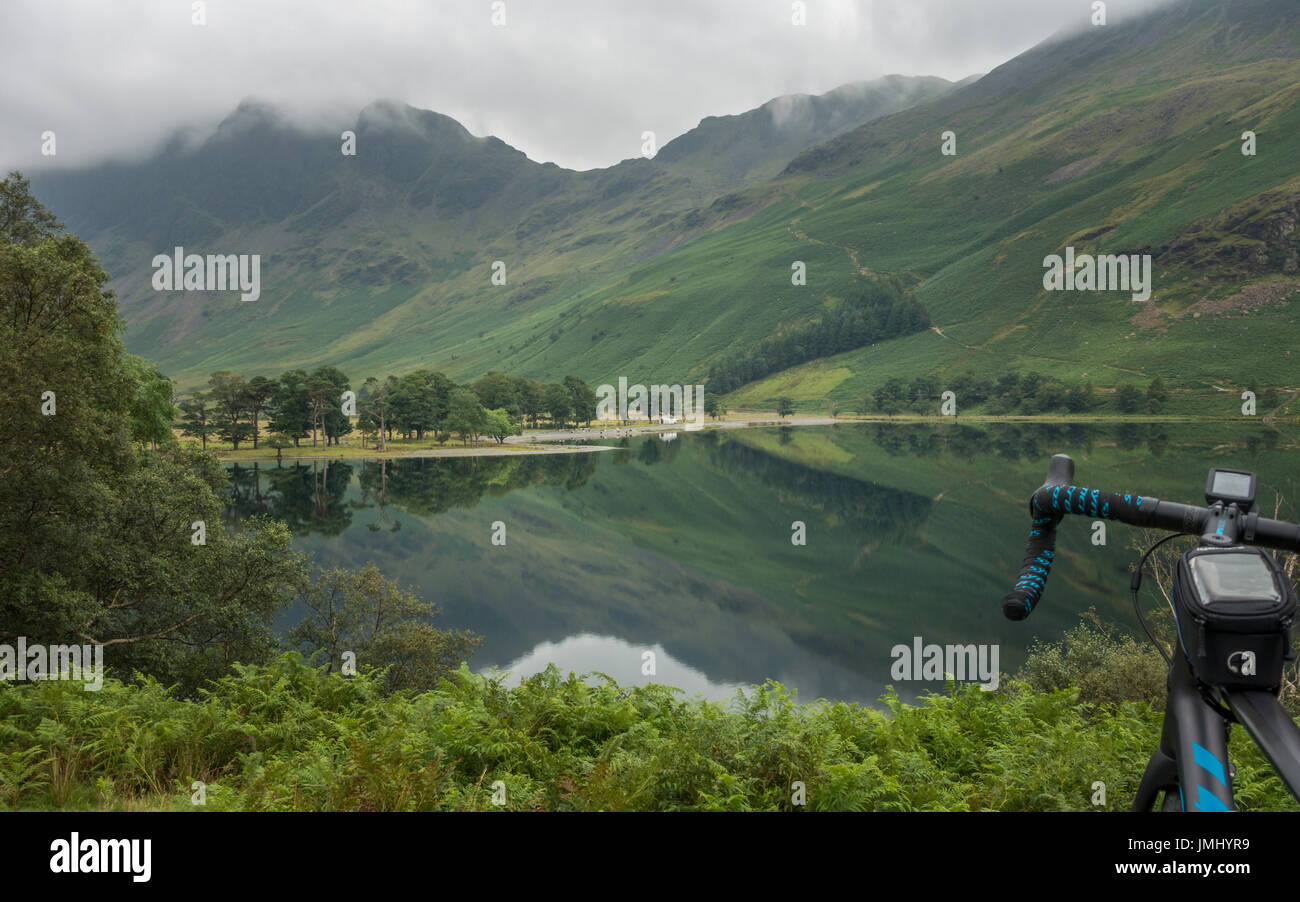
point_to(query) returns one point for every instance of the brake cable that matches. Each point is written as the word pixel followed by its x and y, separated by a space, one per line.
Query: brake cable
pixel 1136 583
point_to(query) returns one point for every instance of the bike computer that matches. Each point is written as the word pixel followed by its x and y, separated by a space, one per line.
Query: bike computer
pixel 1231 487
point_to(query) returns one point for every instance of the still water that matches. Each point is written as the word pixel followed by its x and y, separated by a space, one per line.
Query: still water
pixel 683 547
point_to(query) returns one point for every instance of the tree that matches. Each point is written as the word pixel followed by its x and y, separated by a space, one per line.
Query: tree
pixel 1029 385
pixel 1008 385
pixel 922 391
pixel 1050 396
pixel 99 542
pixel 229 393
pixel 290 408
pixel 325 388
pixel 466 416
pixel 420 402
pixel 1002 405
pixel 152 410
pixel 784 407
pixel 711 406
pixel 60 352
pixel 497 390
pixel 279 441
pixel 260 392
pixel 531 398
pixel 1156 395
pixel 889 397
pixel 385 626
pixel 582 400
pixel 196 418
pixel 24 220
pixel 1128 398
pixel 1268 400
pixel 970 390
pixel 1080 398
pixel 170 607
pixel 234 431
pixel 373 411
pixel 558 403
pixel 881 309
pixel 499 425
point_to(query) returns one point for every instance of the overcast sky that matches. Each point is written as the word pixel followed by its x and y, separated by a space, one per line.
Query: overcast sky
pixel 570 81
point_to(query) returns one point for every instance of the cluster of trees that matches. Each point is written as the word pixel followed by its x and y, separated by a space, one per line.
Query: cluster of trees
pixel 427 402
pixel 1012 392
pixel 296 405
pixel 102 542
pixel 883 309
pixel 1131 399
pixel 301 404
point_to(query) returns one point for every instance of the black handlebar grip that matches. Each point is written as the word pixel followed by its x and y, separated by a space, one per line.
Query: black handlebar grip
pixel 1034 571
pixel 1041 550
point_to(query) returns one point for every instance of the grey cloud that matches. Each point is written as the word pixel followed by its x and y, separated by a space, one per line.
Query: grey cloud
pixel 574 82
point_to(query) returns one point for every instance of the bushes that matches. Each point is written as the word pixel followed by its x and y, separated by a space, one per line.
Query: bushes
pixel 1105 667
pixel 289 736
pixel 1013 393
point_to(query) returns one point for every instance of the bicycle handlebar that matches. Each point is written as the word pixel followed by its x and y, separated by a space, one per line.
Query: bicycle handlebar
pixel 1058 497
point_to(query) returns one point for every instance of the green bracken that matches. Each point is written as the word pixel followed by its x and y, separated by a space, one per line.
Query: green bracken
pixel 289 736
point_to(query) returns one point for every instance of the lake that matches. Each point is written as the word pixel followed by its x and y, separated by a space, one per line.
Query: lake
pixel 683 547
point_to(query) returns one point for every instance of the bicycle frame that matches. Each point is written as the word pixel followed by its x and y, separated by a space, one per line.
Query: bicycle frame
pixel 1193 748
pixel 1192 757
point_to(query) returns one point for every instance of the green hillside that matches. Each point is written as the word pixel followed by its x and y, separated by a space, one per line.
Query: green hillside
pixel 1113 141
pixel 382 260
pixel 1123 139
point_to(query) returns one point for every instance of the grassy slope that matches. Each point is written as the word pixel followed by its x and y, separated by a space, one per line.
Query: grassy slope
pixel 1115 141
pixel 381 262
pixel 1122 150
pixel 1118 139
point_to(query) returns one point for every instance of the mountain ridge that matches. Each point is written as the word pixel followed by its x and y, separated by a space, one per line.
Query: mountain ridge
pixel 1119 139
pixel 390 226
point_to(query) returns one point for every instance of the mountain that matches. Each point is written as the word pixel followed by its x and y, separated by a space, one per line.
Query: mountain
pixel 1121 139
pixel 729 152
pixel 381 260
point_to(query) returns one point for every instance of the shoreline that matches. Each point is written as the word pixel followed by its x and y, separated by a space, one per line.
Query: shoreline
pixel 372 454
pixel 551 441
